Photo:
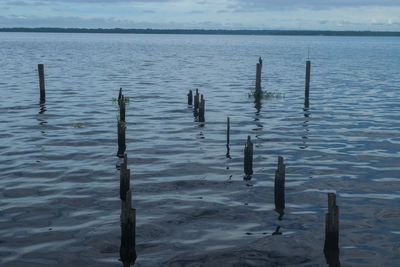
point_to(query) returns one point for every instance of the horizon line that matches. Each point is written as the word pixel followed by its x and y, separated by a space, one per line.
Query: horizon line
pixel 202 31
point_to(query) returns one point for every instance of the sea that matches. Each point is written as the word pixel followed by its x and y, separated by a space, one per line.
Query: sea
pixel 59 175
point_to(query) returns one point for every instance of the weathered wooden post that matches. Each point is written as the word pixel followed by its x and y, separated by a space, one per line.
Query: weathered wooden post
pixel 125 179
pixel 201 109
pixel 122 108
pixel 41 83
pixel 332 224
pixel 307 87
pixel 196 99
pixel 121 139
pixel 248 158
pixel 127 250
pixel 190 98
pixel 120 95
pixel 331 246
pixel 228 128
pixel 280 187
pixel 258 90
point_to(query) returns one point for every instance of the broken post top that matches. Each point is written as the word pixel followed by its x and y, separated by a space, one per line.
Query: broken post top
pixel 249 143
pixel 120 94
pixel 260 60
pixel 197 91
pixel 202 98
pixel 331 202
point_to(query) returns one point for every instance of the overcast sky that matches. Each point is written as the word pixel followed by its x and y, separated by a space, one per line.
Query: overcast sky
pixel 204 14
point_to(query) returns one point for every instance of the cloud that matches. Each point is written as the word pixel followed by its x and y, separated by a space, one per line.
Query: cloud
pixel 252 5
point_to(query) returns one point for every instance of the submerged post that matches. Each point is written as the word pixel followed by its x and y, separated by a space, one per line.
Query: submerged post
pixel 190 98
pixel 228 128
pixel 41 83
pixel 307 86
pixel 248 158
pixel 127 249
pixel 280 187
pixel 201 109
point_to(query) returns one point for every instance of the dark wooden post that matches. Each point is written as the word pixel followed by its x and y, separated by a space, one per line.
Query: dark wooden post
pixel 307 87
pixel 41 83
pixel 332 224
pixel 120 95
pixel 331 246
pixel 228 128
pixel 127 250
pixel 280 187
pixel 196 100
pixel 122 108
pixel 125 179
pixel 248 158
pixel 121 138
pixel 190 98
pixel 201 109
pixel 258 90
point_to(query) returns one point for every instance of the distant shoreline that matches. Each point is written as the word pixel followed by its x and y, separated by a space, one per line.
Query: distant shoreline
pixel 206 32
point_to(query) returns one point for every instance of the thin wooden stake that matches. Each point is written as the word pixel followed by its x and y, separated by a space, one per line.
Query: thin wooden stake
pixel 196 99
pixel 248 158
pixel 228 128
pixel 307 86
pixel 280 187
pixel 120 95
pixel 41 83
pixel 190 98
pixel 201 109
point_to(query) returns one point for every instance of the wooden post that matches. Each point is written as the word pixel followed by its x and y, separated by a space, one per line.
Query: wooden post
pixel 248 158
pixel 41 83
pixel 228 128
pixel 307 87
pixel 125 181
pixel 201 109
pixel 280 187
pixel 127 250
pixel 120 95
pixel 122 108
pixel 331 246
pixel 196 100
pixel 121 139
pixel 258 90
pixel 190 98
pixel 332 224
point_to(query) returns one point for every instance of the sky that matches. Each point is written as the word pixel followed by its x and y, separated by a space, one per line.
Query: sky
pixel 373 15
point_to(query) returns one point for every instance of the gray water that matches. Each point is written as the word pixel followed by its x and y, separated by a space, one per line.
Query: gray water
pixel 59 186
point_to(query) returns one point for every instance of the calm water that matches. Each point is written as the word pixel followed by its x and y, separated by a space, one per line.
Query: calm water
pixel 59 188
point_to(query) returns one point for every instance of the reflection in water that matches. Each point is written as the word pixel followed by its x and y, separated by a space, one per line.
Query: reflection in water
pixel 277 231
pixel 42 122
pixel 42 108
